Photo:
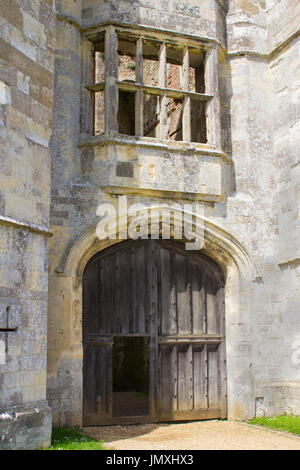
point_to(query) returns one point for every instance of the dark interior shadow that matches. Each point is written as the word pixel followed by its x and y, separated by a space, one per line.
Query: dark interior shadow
pixel 121 432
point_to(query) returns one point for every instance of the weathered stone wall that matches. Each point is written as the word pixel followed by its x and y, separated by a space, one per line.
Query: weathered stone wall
pixel 27 39
pixel 67 212
pixel 203 18
pixel 252 225
pixel 265 135
pixel 285 74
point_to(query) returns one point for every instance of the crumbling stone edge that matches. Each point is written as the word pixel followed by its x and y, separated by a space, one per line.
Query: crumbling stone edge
pixel 26 428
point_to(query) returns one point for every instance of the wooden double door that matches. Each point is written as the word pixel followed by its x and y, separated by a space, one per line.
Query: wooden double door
pixel 163 308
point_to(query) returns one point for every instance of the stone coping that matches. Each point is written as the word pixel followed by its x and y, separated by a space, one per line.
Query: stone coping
pixel 9 221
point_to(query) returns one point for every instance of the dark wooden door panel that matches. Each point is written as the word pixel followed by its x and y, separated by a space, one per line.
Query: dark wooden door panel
pixel 192 377
pixel 119 300
pixel 155 288
pixel 97 390
pixel 91 298
pixel 190 314
pixel 190 382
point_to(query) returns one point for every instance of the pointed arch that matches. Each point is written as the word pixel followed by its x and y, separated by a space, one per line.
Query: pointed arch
pixel 219 244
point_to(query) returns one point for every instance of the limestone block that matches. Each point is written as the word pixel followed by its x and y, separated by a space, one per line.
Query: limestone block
pixel 27 428
pixel 23 83
pixel 14 36
pixel 34 30
pixel 5 94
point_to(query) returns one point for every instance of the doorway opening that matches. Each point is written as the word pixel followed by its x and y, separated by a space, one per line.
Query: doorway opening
pixel 153 335
pixel 130 376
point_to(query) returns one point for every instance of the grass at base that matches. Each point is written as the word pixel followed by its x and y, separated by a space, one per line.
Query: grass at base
pixel 73 439
pixel 280 423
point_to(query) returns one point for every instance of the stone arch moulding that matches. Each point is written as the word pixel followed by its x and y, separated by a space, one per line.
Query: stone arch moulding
pixel 219 244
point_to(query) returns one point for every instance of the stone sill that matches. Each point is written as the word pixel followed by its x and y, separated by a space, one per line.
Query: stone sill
pixel 149 142
pixel 159 193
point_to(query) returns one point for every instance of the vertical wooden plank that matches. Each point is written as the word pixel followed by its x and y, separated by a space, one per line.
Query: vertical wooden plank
pixel 152 276
pixel 211 306
pixel 107 296
pixel 221 309
pixel 139 98
pixel 190 297
pixel 168 297
pixel 101 371
pixel 166 294
pixel 132 312
pixel 104 307
pixel 124 290
pixel 198 300
pixel 152 252
pixel 91 297
pixel 200 376
pixel 213 377
pixel 140 290
pixel 117 326
pixel 89 390
pixel 183 377
pixel 183 305
pixel 163 125
pixel 173 319
pixel 174 377
pixel 147 289
pixel 109 379
pixel 166 383
pixel 111 78
pixel 190 377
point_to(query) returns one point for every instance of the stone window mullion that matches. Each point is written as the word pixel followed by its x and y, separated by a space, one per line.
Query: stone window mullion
pixel 163 83
pixel 111 80
pixel 186 118
pixel 139 97
pixel 213 112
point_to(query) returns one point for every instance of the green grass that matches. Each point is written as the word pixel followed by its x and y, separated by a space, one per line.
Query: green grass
pixel 73 439
pixel 280 423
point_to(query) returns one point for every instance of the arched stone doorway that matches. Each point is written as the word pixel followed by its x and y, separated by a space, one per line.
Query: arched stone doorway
pixel 153 335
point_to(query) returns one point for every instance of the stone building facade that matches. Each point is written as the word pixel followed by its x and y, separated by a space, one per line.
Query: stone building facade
pixel 27 35
pixel 193 101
